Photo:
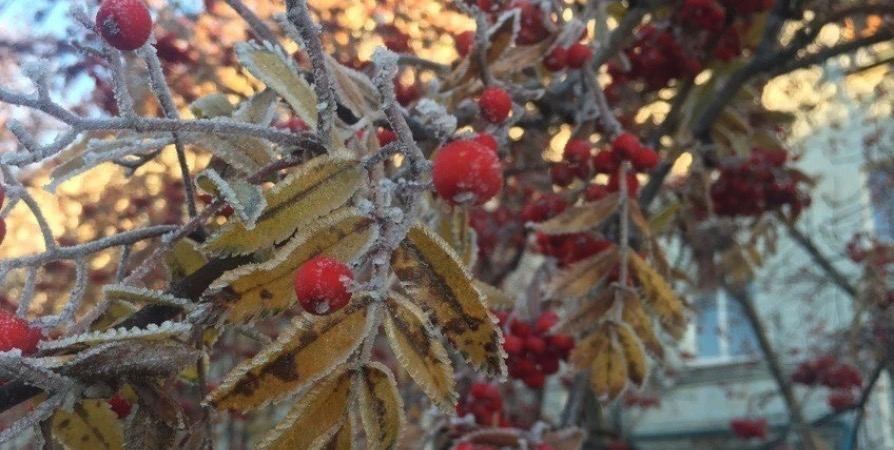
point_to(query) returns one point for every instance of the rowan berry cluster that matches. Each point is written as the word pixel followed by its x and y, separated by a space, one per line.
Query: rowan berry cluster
pixel 533 352
pixel 484 402
pixel 747 428
pixel 760 183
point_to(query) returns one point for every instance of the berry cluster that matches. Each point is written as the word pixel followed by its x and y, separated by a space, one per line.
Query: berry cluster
pixel 321 285
pixel 828 372
pixel 533 352
pixel 656 57
pixel 758 184
pixel 571 248
pixel 16 332
pixel 467 172
pixel 573 57
pixel 485 403
pixel 745 428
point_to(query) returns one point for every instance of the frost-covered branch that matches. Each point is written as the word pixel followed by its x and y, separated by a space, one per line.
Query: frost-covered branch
pixel 299 15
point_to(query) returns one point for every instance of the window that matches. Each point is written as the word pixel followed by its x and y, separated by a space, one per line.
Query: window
pixel 720 332
pixel 880 180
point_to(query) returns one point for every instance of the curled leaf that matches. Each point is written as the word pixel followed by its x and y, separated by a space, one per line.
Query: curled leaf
pixel 279 73
pixel 246 199
pixel 637 365
pixel 581 277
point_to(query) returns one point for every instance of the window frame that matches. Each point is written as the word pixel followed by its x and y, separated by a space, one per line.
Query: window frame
pixel 725 357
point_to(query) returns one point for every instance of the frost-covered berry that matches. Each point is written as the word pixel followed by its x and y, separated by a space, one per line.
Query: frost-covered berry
pixel 321 285
pixel 15 332
pixel 385 136
pixel 495 104
pixel 555 60
pixel 577 55
pixel 466 172
pixel 486 139
pixel 124 24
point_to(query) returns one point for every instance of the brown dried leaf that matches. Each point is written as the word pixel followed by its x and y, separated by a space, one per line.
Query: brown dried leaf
pixel 637 365
pixel 580 218
pixel 634 315
pixel 609 371
pixel 581 277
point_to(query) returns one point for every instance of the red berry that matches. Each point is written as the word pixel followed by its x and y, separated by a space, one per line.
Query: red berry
pixel 577 151
pixel 549 365
pixel 535 380
pixel 495 104
pixel 519 328
pixel 520 368
pixel 840 400
pixel 385 136
pixel 561 174
pixel 486 139
pixel 467 172
pixel 124 24
pixel 625 146
pixel 595 192
pixel 605 162
pixel 321 285
pixel 554 61
pixel 644 159
pixel 578 55
pixel 120 405
pixel 15 332
pixel 632 184
pixel 463 42
pixel 560 342
pixel 545 322
pixel 513 344
pixel 535 345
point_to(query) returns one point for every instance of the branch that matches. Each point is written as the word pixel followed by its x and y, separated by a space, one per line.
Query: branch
pixel 299 15
pixel 820 259
pixel 775 366
pixel 865 396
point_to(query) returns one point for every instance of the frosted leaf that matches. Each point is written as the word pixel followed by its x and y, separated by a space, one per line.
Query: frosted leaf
pixel 131 358
pixel 40 413
pixel 99 151
pixel 14 365
pixel 278 72
pixel 246 154
pixel 143 295
pixel 151 332
pixel 212 105
pixel 435 117
pixel 365 207
pixel 247 200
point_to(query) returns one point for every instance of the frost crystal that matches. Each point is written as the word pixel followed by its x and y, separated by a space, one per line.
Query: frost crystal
pixel 435 116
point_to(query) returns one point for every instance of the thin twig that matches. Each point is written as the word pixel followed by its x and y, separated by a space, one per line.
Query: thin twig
pixel 299 14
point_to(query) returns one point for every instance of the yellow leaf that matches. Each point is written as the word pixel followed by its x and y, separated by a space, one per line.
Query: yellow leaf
pixel 312 416
pixel 183 259
pixel 302 355
pixel 419 352
pixel 609 371
pixel 257 290
pixel 634 315
pixel 493 297
pixel 580 218
pixel 581 277
pixel 589 348
pixel 435 279
pixel 381 408
pixel 660 296
pixel 637 366
pixel 114 312
pixel 319 187
pixel 454 228
pixel 279 73
pixel 91 425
